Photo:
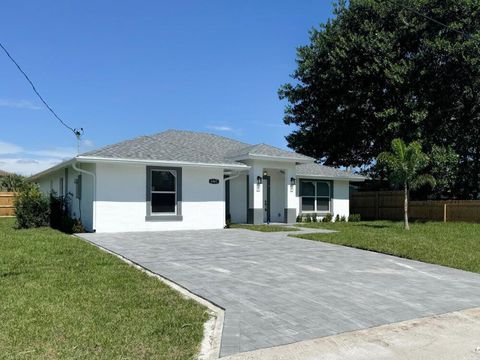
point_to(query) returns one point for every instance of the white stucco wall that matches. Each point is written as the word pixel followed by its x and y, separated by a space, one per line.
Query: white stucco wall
pixel 341 200
pixel 80 209
pixel 238 199
pixel 121 200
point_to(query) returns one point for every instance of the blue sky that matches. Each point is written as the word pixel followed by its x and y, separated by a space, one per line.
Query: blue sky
pixel 126 68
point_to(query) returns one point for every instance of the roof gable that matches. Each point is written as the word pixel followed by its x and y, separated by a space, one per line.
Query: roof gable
pixel 267 151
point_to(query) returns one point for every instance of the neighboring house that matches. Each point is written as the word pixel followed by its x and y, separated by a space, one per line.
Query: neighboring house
pixel 190 180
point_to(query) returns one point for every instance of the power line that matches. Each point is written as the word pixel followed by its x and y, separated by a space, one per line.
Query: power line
pixel 77 132
pixel 399 3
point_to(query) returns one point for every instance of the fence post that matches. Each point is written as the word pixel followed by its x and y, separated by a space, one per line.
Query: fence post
pixel 445 212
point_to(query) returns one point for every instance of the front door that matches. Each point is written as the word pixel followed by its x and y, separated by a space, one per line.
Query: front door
pixel 266 199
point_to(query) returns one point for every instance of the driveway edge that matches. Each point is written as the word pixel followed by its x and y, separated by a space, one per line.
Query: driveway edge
pixel 447 336
pixel 213 327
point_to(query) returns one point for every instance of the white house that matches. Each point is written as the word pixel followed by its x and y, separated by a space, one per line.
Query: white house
pixel 179 180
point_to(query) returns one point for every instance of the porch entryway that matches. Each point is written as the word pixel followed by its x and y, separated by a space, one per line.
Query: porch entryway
pixel 266 194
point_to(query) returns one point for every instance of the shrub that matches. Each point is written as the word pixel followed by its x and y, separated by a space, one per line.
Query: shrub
pixel 78 226
pixel 337 218
pixel 299 218
pixel 354 218
pixel 308 218
pixel 31 208
pixel 343 218
pixel 60 217
pixel 13 183
pixel 327 218
pixel 228 221
pixel 314 217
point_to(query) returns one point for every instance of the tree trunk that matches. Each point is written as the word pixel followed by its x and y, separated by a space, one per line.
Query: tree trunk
pixel 407 226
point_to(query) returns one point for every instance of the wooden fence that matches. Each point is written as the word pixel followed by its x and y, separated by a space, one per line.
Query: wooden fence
pixel 388 205
pixel 6 204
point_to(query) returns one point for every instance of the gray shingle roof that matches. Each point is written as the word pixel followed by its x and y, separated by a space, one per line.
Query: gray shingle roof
pixel 267 150
pixel 198 147
pixel 173 145
pixel 313 169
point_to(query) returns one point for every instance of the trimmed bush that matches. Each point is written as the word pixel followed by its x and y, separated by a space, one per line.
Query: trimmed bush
pixel 354 218
pixel 337 218
pixel 299 218
pixel 327 218
pixel 31 208
pixel 60 218
pixel 308 218
pixel 228 221
pixel 343 218
pixel 314 218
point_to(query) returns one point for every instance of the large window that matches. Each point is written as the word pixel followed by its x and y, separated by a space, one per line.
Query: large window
pixel 163 190
pixel 315 196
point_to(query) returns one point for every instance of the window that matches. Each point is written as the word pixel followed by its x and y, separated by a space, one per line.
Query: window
pixel 60 187
pixel 78 187
pixel 315 196
pixel 163 188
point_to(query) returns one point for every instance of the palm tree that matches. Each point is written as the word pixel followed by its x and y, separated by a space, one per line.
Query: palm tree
pixel 405 164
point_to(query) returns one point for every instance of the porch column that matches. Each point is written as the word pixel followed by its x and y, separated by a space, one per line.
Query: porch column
pixel 291 200
pixel 255 196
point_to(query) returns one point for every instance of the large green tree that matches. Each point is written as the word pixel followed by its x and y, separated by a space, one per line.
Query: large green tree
pixel 378 71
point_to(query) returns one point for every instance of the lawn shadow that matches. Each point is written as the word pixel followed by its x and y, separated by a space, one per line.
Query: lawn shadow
pixel 375 226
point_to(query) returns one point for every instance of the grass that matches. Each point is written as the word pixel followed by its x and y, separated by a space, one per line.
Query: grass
pixel 264 227
pixel 62 298
pixel 455 245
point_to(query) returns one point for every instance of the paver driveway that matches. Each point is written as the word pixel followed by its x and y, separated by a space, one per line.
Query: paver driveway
pixel 277 289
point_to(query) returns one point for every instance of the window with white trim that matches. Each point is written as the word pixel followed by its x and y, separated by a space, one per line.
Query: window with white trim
pixel 163 191
pixel 315 196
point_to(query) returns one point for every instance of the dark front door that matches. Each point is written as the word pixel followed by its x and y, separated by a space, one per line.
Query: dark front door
pixel 266 199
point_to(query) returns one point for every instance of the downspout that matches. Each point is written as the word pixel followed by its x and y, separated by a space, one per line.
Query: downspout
pixel 94 215
pixel 231 177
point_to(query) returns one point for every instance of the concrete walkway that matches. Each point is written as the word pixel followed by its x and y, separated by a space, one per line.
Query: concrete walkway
pixel 279 290
pixel 441 337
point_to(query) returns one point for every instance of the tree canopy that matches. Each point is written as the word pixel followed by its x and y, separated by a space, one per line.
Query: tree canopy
pixel 377 72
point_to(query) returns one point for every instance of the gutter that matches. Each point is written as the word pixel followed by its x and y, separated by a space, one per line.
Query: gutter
pixel 299 160
pixel 321 177
pixel 91 159
pixel 94 210
pixel 52 169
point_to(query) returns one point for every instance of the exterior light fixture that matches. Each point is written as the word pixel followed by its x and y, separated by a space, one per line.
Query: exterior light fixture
pixel 265 173
pixel 292 181
pixel 259 180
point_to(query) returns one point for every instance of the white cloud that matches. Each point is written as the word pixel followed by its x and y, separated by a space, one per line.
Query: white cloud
pixel 58 153
pixel 220 128
pixel 272 125
pixel 27 161
pixel 88 143
pixel 27 167
pixel 19 104
pixel 7 148
pixel 14 158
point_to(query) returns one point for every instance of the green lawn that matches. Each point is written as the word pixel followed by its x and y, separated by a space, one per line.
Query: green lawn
pixel 264 227
pixel 62 298
pixel 456 245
